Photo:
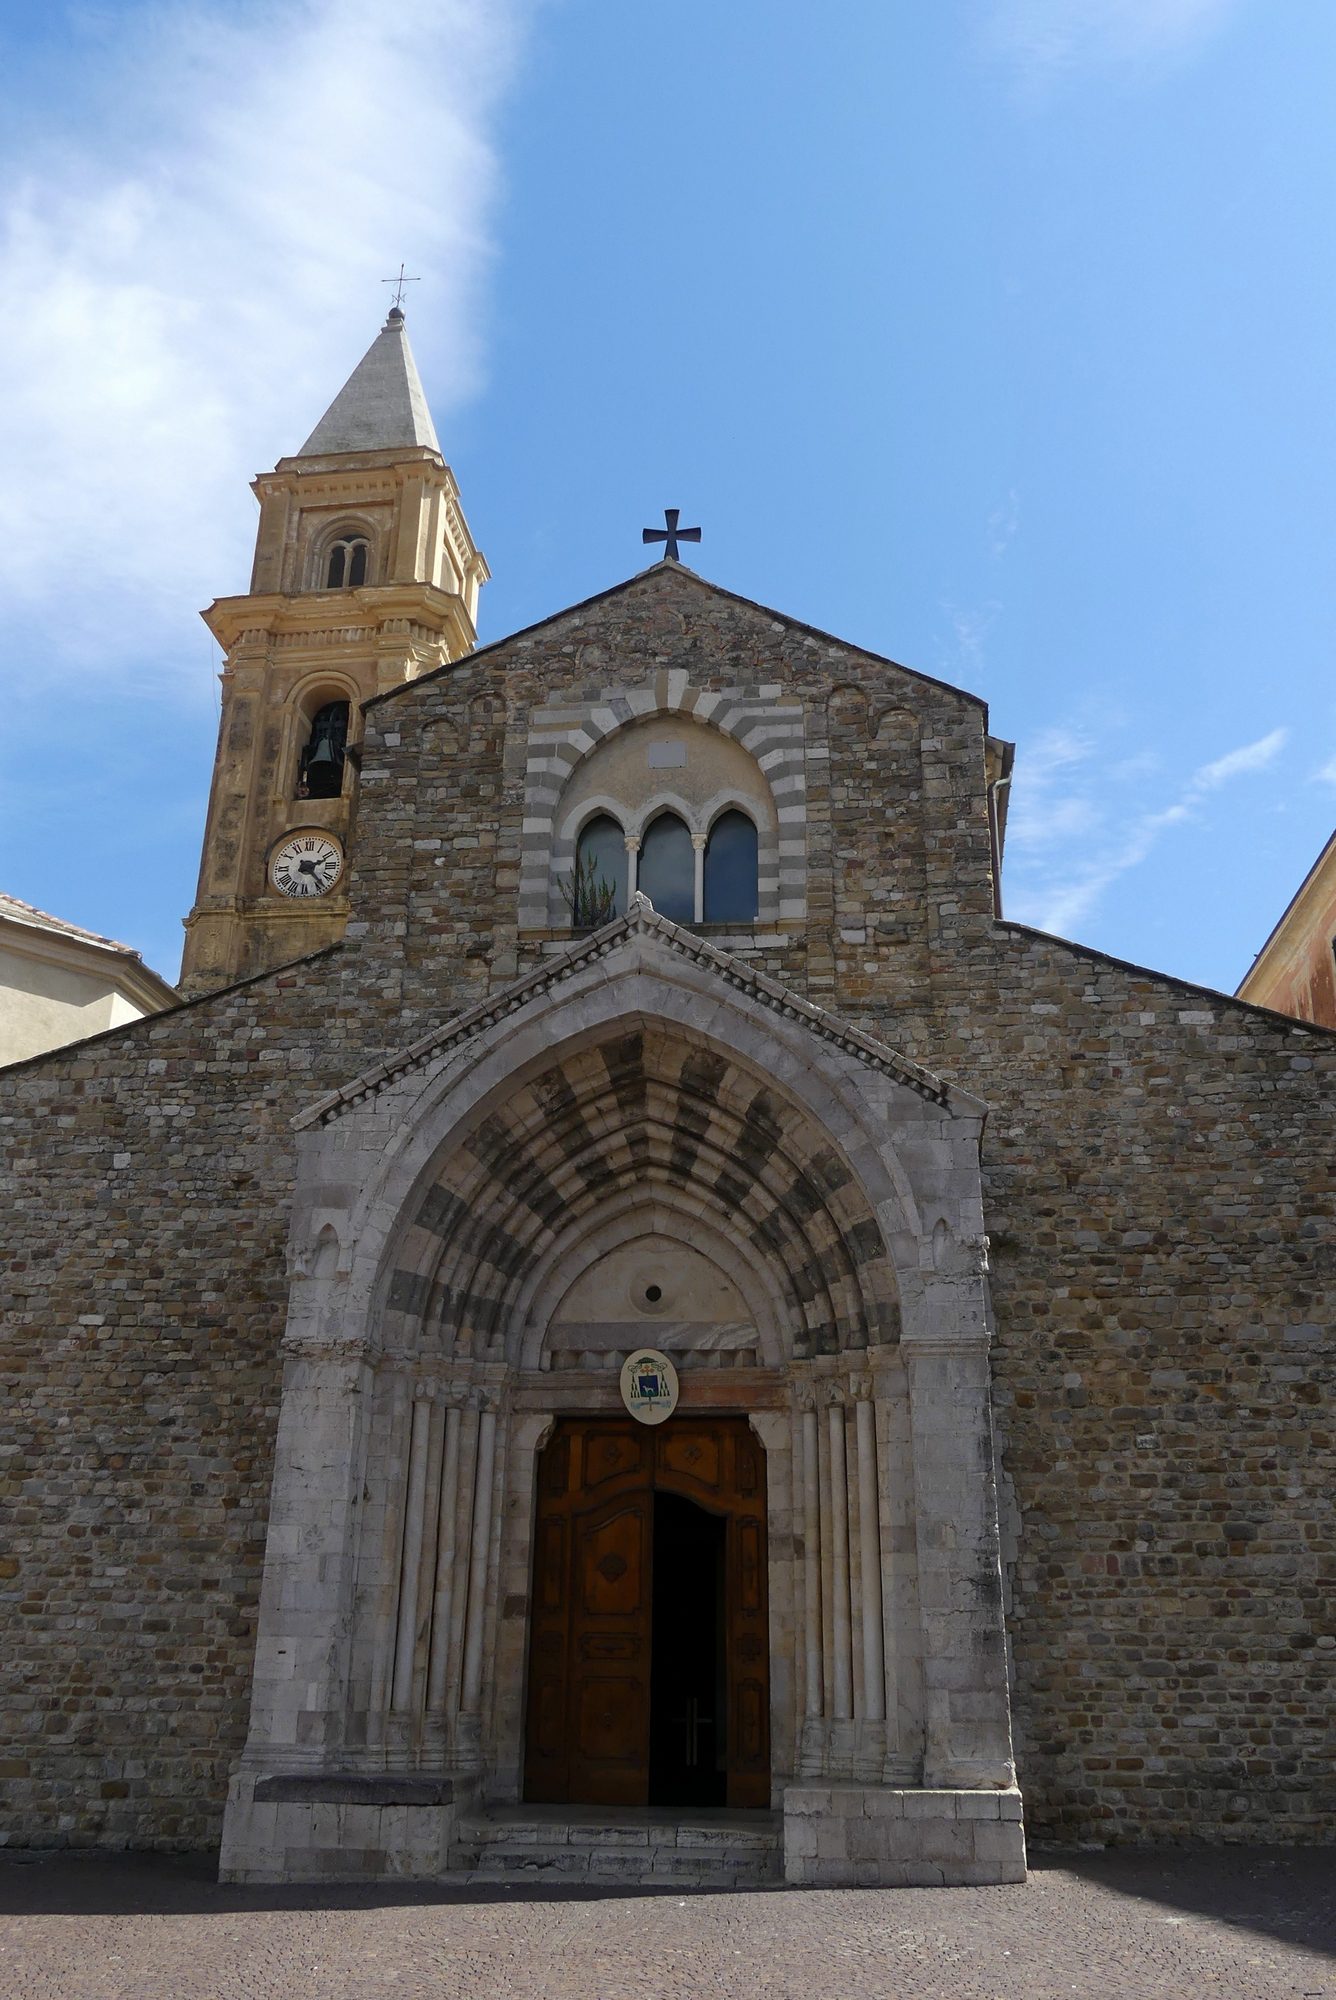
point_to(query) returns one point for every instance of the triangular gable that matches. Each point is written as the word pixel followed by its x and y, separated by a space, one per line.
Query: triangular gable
pixel 690 578
pixel 642 918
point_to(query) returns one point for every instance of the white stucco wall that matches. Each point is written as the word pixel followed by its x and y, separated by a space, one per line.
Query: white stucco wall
pixel 43 1005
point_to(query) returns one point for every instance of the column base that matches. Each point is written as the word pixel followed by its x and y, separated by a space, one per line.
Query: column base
pixel 313 1826
pixel 882 1836
pixel 842 1752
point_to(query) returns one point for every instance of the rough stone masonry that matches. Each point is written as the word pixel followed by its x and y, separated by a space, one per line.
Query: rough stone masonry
pixel 1157 1196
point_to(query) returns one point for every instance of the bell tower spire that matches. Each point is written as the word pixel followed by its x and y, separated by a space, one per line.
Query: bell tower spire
pixel 365 575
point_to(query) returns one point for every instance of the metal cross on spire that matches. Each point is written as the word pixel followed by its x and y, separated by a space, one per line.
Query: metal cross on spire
pixel 670 534
pixel 397 303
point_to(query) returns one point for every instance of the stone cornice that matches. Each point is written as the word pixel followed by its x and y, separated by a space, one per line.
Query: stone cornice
pixel 640 920
pixel 341 468
pixel 353 615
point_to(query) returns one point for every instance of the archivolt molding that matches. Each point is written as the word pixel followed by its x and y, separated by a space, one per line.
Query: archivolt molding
pixel 643 1065
pixel 647 1109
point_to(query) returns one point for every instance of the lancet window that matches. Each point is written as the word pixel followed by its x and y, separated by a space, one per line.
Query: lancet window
pixel 598 890
pixel 730 874
pixel 689 877
pixel 666 870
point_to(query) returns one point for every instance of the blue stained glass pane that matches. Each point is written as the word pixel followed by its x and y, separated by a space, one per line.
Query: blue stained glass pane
pixel 730 871
pixel 667 870
pixel 601 855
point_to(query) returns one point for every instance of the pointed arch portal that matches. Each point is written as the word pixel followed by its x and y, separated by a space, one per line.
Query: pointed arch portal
pixel 645 1144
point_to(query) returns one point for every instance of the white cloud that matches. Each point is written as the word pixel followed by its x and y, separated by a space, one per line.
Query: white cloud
pixel 1251 757
pixel 1075 826
pixel 1048 39
pixel 189 269
pixel 970 628
pixel 1004 524
pixel 1327 774
pixel 1042 813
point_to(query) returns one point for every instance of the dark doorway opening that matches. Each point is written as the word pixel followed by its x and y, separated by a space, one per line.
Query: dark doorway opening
pixel 688 1703
pixel 649 1637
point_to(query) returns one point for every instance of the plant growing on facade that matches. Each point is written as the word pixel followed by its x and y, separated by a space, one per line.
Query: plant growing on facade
pixel 589 895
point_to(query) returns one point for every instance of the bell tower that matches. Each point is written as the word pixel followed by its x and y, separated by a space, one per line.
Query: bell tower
pixel 365 575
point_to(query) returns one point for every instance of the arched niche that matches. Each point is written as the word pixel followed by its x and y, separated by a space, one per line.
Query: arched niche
pixel 658 767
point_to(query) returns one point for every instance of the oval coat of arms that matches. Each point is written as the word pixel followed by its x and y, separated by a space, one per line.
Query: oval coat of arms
pixel 649 1385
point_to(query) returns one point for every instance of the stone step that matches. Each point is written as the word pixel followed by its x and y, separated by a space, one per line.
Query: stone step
pixel 729 1850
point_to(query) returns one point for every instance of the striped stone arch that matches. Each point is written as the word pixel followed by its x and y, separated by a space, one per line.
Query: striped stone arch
pixel 645 1114
pixel 759 719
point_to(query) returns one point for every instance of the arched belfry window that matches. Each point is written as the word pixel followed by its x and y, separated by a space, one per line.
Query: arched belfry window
pixel 598 890
pixel 666 870
pixel 347 565
pixel 320 769
pixel 730 886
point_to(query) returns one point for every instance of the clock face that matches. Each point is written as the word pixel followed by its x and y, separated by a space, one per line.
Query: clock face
pixel 306 864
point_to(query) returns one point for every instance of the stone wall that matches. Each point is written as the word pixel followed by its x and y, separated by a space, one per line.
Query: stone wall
pixel 1158 1176
pixel 1158 1180
pixel 146 1183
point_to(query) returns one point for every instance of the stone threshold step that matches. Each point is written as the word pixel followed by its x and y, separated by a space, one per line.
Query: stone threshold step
pixel 580 1840
pixel 717 1833
pixel 668 1869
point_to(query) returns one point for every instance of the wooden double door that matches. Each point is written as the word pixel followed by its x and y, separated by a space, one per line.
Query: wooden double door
pixel 649 1662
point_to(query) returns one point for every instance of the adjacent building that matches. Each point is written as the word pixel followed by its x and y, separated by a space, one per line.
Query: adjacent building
pixel 60 983
pixel 1295 971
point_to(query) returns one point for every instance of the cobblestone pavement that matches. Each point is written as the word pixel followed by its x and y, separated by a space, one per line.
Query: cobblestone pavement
pixel 1255 1923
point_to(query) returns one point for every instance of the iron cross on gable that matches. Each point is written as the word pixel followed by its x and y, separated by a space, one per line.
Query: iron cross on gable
pixel 670 534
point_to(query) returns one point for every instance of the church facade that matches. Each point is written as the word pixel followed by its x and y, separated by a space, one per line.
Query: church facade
pixel 629 1003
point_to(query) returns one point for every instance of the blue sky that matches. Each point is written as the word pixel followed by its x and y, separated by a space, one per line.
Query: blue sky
pixel 994 335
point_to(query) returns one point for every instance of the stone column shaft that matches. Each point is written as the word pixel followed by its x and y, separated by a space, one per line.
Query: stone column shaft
pixel 869 1548
pixel 815 1694
pixel 446 1549
pixel 479 1552
pixel 396 1442
pixel 415 1521
pixel 843 1691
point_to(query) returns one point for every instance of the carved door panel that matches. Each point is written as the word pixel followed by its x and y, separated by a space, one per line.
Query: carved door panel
pixel 591 1646
pixel 611 1565
pixel 589 1666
